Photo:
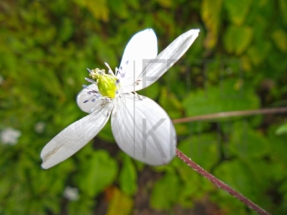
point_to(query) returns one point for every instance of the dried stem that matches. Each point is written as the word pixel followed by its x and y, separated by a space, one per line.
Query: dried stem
pixel 207 175
pixel 219 183
pixel 231 114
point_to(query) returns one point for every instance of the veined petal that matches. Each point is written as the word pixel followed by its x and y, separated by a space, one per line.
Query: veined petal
pixel 143 130
pixel 156 68
pixel 87 99
pixel 75 136
pixel 141 48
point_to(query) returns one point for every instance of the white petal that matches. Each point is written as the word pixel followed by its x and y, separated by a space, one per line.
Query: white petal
pixel 155 69
pixel 143 130
pixel 87 101
pixel 75 136
pixel 141 48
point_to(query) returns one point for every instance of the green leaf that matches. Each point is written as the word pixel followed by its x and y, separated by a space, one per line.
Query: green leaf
pixel 278 69
pixel 84 205
pixel 119 8
pixel 170 103
pixel 283 10
pixel 194 186
pixel 165 3
pixel 247 143
pixel 134 3
pixel 97 174
pixel 201 148
pixel 98 9
pixel 66 30
pixel 280 39
pixel 258 52
pixel 165 192
pixel 128 176
pixel 278 147
pixel 237 10
pixel 211 15
pixel 282 129
pixel 237 175
pixel 230 95
pixel 237 39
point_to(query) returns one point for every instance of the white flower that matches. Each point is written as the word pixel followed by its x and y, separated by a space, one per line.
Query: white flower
pixel 10 136
pixel 71 193
pixel 40 127
pixel 141 128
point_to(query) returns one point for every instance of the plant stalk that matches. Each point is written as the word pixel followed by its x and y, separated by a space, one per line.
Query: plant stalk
pixel 230 114
pixel 220 184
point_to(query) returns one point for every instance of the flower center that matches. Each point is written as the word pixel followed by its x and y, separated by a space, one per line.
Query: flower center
pixel 107 83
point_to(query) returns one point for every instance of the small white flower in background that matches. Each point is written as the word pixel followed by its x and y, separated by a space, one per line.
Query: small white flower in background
pixel 71 193
pixel 141 128
pixel 40 127
pixel 9 136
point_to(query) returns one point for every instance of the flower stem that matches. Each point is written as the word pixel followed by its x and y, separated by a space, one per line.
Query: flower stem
pixel 230 114
pixel 220 184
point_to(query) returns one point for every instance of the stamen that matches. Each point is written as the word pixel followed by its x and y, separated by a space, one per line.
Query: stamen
pixel 94 91
pixel 93 94
pixel 99 71
pixel 84 86
pixel 108 66
pixel 90 80
pixel 110 71
pixel 121 72
pixel 90 71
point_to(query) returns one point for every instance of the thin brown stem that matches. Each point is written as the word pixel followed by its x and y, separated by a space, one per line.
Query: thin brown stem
pixel 220 184
pixel 231 114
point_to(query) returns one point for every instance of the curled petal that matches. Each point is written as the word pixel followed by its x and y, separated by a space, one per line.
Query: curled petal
pixel 141 48
pixel 75 136
pixel 156 68
pixel 143 130
pixel 89 98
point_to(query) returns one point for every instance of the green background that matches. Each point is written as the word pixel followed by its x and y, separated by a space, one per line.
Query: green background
pixel 238 62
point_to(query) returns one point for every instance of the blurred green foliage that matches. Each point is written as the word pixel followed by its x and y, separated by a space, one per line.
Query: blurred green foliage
pixel 238 62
